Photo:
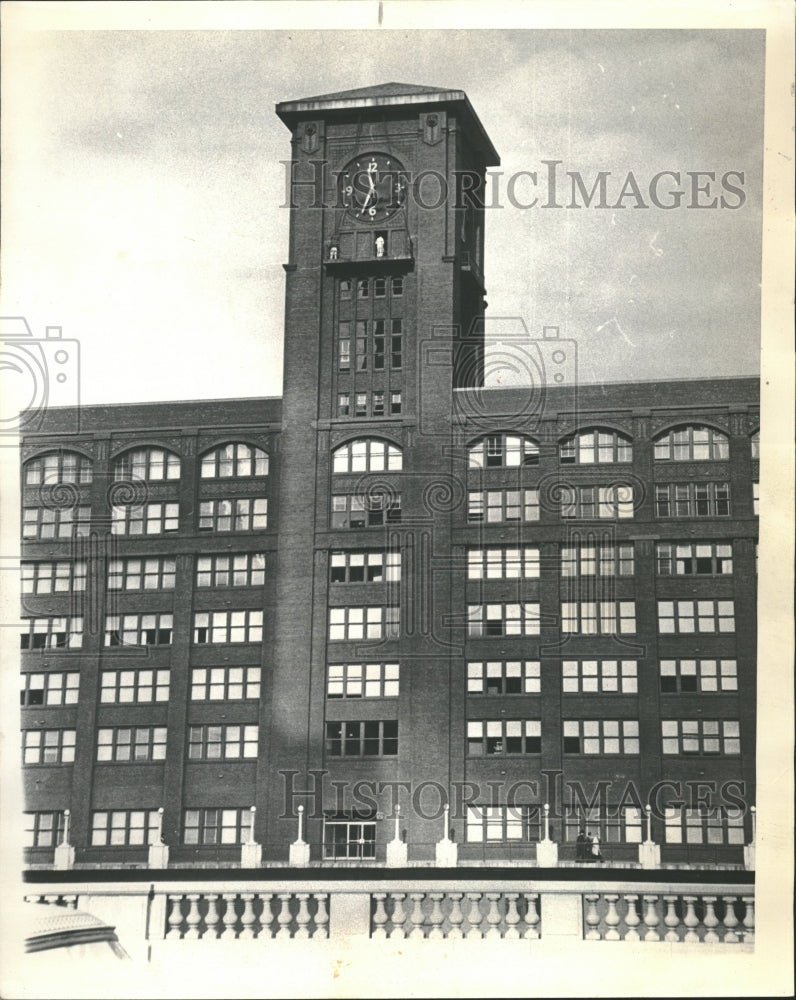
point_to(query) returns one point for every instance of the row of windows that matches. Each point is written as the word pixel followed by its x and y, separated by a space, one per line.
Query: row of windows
pixel 583 503
pixel 346 838
pixel 381 680
pixel 364 286
pixel 238 459
pixel 377 403
pixel 378 622
pixel 377 345
pixel 375 566
pixel 235 459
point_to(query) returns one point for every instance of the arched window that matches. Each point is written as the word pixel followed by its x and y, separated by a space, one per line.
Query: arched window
pixel 58 467
pixel 147 463
pixel 234 459
pixel 367 455
pixel 596 446
pixel 692 443
pixel 755 442
pixel 503 451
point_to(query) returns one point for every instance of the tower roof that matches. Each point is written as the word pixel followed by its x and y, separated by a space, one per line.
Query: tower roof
pixel 389 95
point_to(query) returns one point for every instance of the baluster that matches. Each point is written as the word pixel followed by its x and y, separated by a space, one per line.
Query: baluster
pixel 230 917
pixel 175 915
pixel 671 919
pixel 379 916
pixel 493 915
pixel 303 916
pixel 398 915
pixel 266 916
pixel 71 901
pixel 651 919
pixel 691 920
pixel 436 916
pixel 632 919
pixel 711 921
pixel 211 919
pixel 321 917
pixel 52 899
pixel 474 916
pixel 416 916
pixel 247 917
pixel 512 915
pixel 592 917
pixel 531 916
pixel 193 918
pixel 455 917
pixel 749 919
pixel 730 920
pixel 283 917
pixel 612 918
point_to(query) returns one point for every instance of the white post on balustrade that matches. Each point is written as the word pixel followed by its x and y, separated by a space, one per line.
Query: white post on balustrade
pixel 158 851
pixel 299 855
pixel 749 849
pixel 447 850
pixel 64 852
pixel 397 851
pixel 251 853
pixel 649 853
pixel 547 849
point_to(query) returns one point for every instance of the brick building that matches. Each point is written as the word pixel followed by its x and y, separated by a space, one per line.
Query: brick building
pixel 393 585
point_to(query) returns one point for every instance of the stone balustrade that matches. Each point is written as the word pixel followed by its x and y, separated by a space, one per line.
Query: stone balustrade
pixel 671 917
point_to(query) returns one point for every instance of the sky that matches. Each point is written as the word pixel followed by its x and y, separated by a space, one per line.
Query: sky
pixel 143 193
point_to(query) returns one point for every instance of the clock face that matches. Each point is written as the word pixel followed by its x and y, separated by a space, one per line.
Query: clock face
pixel 373 187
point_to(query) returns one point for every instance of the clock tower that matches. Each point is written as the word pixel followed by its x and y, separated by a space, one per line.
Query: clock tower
pixel 383 321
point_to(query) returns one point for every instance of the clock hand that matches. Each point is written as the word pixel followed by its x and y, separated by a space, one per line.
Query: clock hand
pixel 372 168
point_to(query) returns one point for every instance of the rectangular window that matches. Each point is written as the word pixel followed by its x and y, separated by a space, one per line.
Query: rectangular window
pixel 372 622
pixel 124 827
pixel 129 687
pixel 353 511
pixel 686 617
pixel 489 824
pixel 213 827
pixel 504 677
pixel 362 680
pixel 396 344
pixel 343 404
pixel 361 404
pixel 613 824
pixel 48 746
pixel 146 519
pixel 698 676
pixel 603 502
pixel 701 736
pixel 362 739
pixel 397 287
pixel 246 569
pixel 225 683
pixel 243 514
pixel 601 736
pixel 222 742
pixel 343 351
pixel 692 500
pixel 51 633
pixel 395 402
pixel 489 737
pixel 597 560
pixel 379 288
pixel 503 563
pixel 704 826
pixel 50 689
pixel 126 744
pixel 227 626
pixel 503 505
pixel 158 573
pixel 365 567
pixel 599 676
pixel 61 522
pixel 351 840
pixel 378 403
pixel 756 498
pixel 53 577
pixel 598 617
pixel 503 619
pixel 693 558
pixel 138 630
pixel 43 829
